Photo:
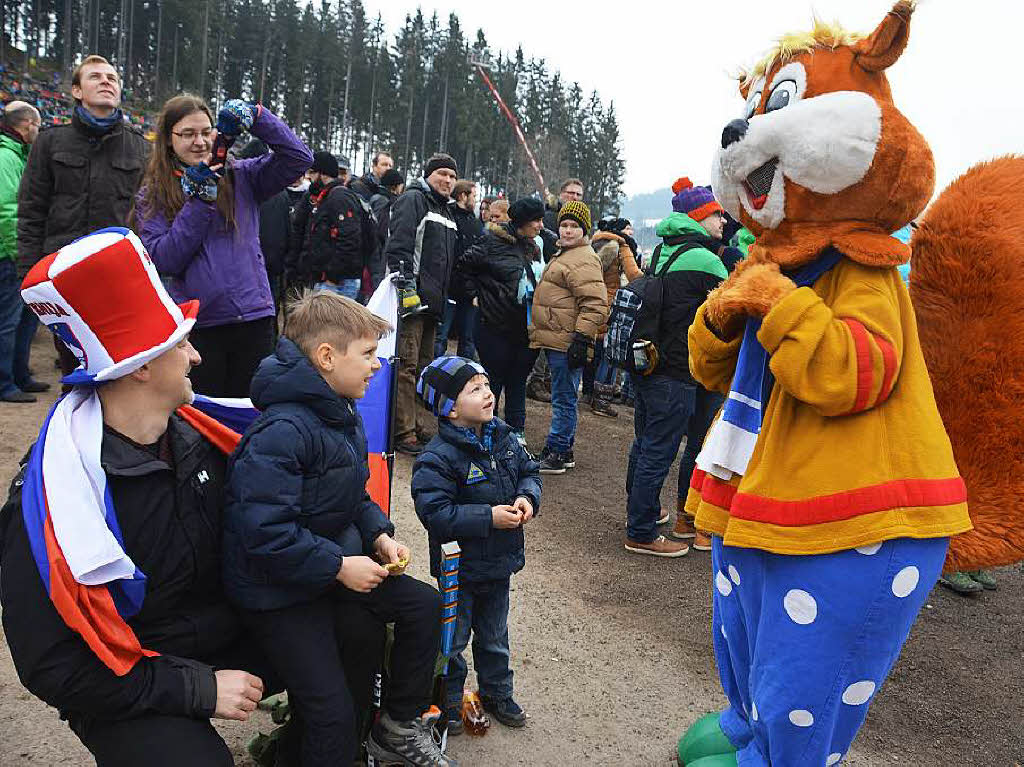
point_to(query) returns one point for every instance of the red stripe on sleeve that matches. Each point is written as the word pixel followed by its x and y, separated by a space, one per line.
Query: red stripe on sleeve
pixel 865 377
pixel 889 362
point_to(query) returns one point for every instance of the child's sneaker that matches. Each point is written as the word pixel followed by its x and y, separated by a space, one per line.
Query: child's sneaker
pixel 409 743
pixel 551 463
pixel 507 711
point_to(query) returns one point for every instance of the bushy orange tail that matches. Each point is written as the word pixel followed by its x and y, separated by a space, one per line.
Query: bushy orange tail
pixel 967 284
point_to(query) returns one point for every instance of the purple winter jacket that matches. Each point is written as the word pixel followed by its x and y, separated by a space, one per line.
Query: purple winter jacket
pixel 198 256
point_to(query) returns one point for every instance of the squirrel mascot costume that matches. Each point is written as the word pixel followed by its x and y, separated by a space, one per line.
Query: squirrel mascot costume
pixel 828 480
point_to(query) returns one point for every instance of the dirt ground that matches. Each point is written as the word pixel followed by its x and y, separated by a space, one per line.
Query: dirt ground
pixel 612 652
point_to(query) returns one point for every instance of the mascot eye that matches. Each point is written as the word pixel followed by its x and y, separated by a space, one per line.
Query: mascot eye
pixel 752 102
pixel 781 96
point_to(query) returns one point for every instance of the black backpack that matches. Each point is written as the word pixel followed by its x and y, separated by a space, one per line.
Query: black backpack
pixel 635 315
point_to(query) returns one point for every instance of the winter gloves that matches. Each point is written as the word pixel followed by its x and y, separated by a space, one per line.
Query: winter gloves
pixel 200 182
pixel 579 351
pixel 235 116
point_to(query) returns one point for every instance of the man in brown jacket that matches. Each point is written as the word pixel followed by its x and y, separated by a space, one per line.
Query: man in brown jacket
pixel 80 177
pixel 570 307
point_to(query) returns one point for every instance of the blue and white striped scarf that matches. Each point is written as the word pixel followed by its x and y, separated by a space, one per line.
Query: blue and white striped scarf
pixel 731 441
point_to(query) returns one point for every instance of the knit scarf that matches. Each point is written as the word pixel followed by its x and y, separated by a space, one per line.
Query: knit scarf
pixel 730 444
pixel 98 126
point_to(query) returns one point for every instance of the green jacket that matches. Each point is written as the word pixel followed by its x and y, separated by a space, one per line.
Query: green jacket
pixel 686 286
pixel 13 156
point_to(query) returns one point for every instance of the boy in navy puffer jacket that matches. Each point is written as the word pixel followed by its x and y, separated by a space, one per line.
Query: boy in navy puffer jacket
pixel 304 544
pixel 475 483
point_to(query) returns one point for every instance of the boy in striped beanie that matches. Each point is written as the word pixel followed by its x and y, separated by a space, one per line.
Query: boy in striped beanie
pixel 476 484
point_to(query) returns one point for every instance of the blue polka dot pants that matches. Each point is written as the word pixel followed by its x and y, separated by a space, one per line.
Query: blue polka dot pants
pixel 804 642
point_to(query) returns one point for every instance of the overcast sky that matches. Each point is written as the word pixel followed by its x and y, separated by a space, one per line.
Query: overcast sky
pixel 668 65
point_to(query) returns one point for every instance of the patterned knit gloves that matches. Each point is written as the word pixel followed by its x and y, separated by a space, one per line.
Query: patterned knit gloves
pixel 235 116
pixel 200 182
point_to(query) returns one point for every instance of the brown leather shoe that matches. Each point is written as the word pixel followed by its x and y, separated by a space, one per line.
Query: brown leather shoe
pixel 701 541
pixel 684 528
pixel 659 547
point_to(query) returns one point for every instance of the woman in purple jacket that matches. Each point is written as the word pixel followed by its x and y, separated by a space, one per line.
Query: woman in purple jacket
pixel 200 225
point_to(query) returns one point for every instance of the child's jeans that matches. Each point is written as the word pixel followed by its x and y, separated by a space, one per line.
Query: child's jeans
pixel 483 610
pixel 565 386
pixel 316 671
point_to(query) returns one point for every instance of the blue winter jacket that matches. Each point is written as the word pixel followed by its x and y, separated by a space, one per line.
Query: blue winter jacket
pixel 455 482
pixel 296 492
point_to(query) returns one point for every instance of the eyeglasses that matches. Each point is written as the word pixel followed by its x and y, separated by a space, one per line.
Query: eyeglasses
pixel 190 135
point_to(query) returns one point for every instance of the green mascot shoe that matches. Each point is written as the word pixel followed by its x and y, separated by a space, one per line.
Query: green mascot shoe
pixel 715 760
pixel 705 738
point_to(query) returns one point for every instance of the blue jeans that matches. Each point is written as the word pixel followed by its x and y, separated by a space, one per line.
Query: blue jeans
pixel 599 371
pixel 17 327
pixel 462 314
pixel 660 415
pixel 347 288
pixel 565 386
pixel 508 363
pixel 483 610
pixel 706 405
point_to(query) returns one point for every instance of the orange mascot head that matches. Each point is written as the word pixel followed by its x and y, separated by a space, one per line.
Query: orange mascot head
pixel 821 155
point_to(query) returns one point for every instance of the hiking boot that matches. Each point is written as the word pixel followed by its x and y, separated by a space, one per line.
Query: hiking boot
pixel 409 743
pixel 985 578
pixel 961 583
pixel 411 446
pixel 551 462
pixel 569 460
pixel 507 711
pixel 663 519
pixel 659 547
pixel 18 396
pixel 701 541
pixel 684 528
pixel 32 386
pixel 600 404
pixel 536 391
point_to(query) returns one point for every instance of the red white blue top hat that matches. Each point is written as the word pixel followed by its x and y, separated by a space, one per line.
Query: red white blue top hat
pixel 102 296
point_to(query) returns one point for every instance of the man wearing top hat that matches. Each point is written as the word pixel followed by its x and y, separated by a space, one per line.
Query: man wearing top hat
pixel 110 546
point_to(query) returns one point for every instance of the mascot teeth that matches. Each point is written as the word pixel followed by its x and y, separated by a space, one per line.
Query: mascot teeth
pixel 759 183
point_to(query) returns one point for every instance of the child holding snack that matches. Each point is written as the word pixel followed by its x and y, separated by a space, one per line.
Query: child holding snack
pixel 476 484
pixel 305 547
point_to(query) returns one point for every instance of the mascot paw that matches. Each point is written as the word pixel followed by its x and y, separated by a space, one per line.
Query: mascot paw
pixel 750 293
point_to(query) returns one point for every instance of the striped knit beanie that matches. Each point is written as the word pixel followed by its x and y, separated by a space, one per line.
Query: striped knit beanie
pixel 578 212
pixel 442 381
pixel 695 201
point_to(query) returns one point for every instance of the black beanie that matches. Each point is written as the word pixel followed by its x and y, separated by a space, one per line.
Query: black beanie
pixel 392 178
pixel 326 163
pixel 525 210
pixel 440 160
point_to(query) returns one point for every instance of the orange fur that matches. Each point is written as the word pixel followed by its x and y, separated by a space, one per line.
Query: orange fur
pixel 967 291
pixel 896 188
pixel 752 291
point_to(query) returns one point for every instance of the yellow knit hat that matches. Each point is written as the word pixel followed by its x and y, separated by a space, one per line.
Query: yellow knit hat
pixel 578 212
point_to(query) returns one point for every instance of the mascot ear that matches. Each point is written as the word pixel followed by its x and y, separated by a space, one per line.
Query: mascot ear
pixel 882 47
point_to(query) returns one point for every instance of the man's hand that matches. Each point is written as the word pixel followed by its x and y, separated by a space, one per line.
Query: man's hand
pixel 361 574
pixel 391 552
pixel 524 507
pixel 238 694
pixel 505 517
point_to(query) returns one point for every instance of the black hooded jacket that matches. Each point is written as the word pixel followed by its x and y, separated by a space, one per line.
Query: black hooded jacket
pixel 296 494
pixel 421 242
pixel 168 506
pixel 492 269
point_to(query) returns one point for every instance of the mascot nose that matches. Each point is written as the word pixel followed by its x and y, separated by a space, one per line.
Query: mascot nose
pixel 733 132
